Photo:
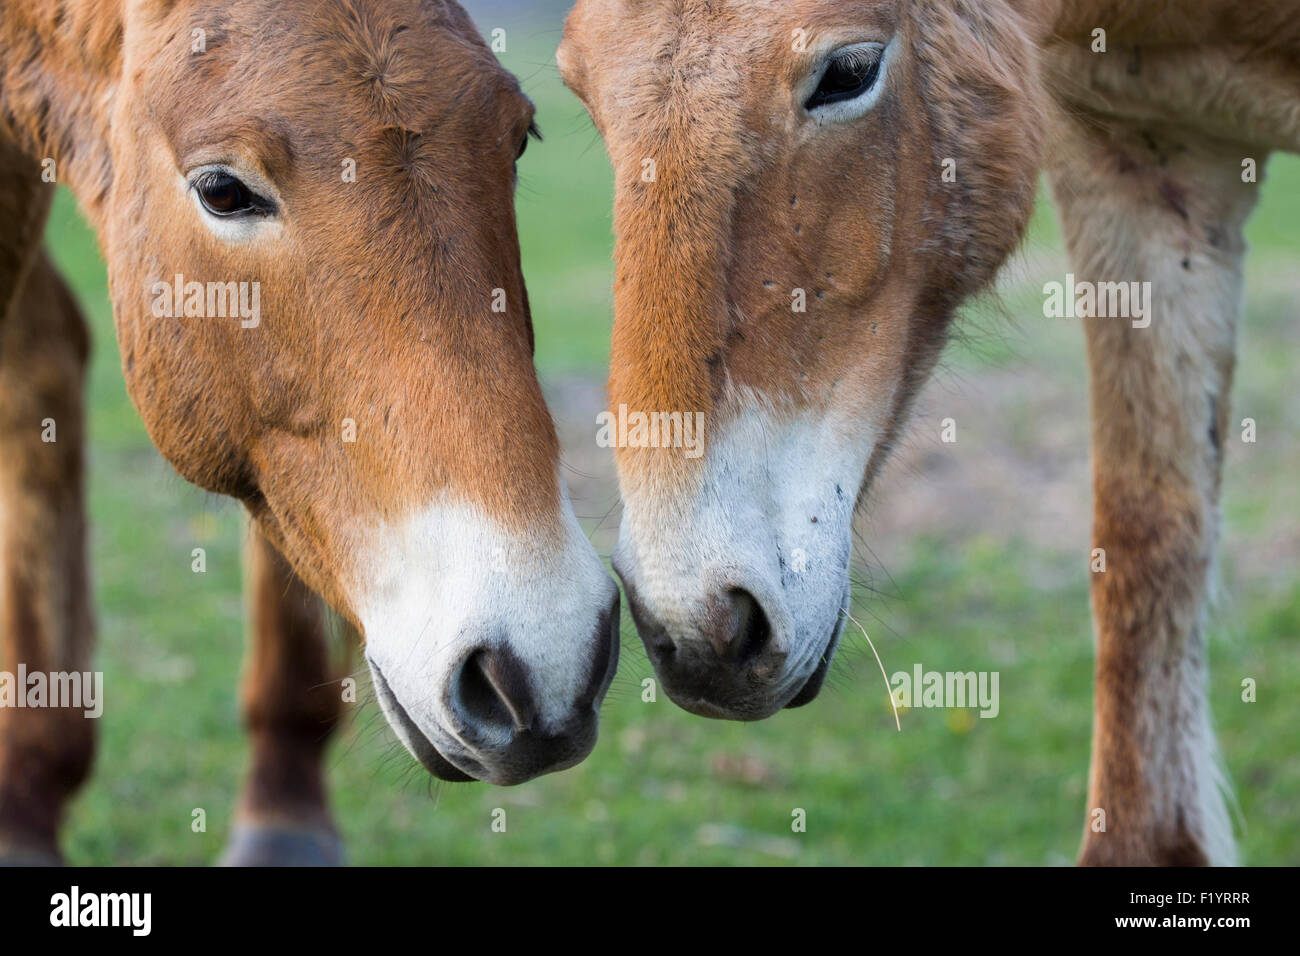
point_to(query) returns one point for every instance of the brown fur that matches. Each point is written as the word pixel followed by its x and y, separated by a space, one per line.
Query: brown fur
pixel 292 696
pixel 1147 169
pixel 45 617
pixel 409 322
pixel 1144 146
pixel 376 306
pixel 707 257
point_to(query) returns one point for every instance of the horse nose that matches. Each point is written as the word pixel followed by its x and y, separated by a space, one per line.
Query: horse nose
pixel 738 630
pixel 501 715
pixel 491 694
pixel 723 666
pixel 507 739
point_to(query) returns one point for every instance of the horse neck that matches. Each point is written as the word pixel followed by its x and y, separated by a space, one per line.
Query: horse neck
pixel 59 60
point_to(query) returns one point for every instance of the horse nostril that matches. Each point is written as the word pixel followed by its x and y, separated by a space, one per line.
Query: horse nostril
pixel 605 661
pixel 744 633
pixel 492 693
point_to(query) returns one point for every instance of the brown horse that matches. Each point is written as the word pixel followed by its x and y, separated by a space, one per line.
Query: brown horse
pixel 806 190
pixel 306 211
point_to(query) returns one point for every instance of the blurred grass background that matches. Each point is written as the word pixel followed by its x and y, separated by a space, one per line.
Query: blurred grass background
pixel 954 583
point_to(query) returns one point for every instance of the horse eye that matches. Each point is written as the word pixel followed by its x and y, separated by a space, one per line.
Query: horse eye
pixel 531 133
pixel 224 195
pixel 847 77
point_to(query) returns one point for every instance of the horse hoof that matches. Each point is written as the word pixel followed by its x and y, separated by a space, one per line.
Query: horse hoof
pixel 262 844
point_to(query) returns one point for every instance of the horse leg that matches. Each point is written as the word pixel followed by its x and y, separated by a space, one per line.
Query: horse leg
pixel 292 700
pixel 1145 203
pixel 45 618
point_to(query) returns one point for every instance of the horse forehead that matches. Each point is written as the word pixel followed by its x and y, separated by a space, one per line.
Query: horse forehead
pixel 327 72
pixel 653 58
pixel 735 22
pixel 686 13
pixel 407 63
pixel 398 58
pixel 651 36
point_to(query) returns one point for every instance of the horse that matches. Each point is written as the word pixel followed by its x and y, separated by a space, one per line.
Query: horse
pixel 306 211
pixel 805 192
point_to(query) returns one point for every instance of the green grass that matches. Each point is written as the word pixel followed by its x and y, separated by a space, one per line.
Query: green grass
pixel 565 202
pixel 662 786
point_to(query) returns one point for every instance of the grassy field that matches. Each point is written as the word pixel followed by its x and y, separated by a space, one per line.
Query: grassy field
pixel 951 588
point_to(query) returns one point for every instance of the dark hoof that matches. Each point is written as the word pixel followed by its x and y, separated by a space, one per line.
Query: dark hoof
pixel 261 844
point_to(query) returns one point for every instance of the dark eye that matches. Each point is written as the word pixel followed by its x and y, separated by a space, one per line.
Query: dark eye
pixel 224 195
pixel 533 133
pixel 847 76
